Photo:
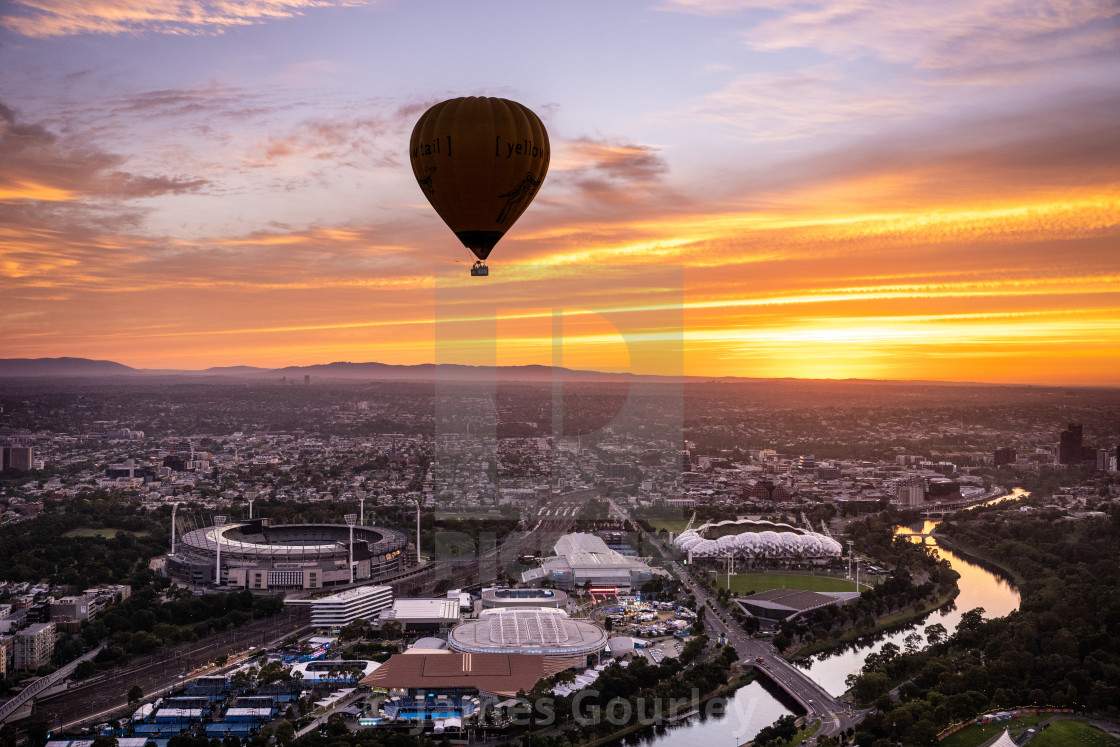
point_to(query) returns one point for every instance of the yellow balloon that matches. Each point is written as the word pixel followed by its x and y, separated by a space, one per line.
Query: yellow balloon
pixel 480 162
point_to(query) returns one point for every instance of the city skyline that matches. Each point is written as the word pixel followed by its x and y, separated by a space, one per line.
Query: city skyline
pixel 844 189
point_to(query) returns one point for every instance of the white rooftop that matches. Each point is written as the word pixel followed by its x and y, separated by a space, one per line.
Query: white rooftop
pixel 423 609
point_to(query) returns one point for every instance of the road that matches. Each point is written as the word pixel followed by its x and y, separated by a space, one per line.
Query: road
pixel 818 703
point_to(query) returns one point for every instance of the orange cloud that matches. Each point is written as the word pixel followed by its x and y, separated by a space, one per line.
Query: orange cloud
pixel 47 18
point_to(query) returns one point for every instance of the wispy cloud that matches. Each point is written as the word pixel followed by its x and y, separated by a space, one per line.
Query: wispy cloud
pixel 47 18
pixel 948 36
pixel 802 104
pixel 40 166
pixel 354 142
pixel 608 172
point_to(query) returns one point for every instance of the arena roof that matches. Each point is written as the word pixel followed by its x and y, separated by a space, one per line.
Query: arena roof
pixel 498 673
pixel 542 630
pixel 443 611
pixel 581 556
pixel 523 598
pixel 784 604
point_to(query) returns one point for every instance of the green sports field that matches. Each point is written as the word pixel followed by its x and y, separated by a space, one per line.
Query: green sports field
pixel 1072 732
pixel 669 525
pixel 103 532
pixel 745 583
pixel 970 736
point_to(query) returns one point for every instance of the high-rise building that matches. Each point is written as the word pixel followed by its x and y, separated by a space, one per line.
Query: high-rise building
pixel 17 457
pixel 5 648
pixel 34 646
pixel 1106 458
pixel 1069 446
pixel 912 492
pixel 1004 455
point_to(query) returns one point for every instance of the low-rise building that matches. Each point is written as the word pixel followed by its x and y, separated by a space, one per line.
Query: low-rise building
pixel 423 614
pixel 362 603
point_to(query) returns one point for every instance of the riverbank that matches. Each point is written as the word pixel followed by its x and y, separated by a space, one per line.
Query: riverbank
pixel 885 624
pixel 980 556
pixel 661 716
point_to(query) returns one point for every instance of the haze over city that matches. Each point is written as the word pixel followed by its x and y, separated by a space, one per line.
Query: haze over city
pixel 842 190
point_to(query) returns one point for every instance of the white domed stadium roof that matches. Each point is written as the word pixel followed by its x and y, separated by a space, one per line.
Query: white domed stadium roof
pixel 765 540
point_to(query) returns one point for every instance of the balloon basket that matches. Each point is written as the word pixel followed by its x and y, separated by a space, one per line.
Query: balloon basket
pixel 479 270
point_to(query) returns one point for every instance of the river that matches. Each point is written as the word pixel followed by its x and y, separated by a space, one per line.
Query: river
pixel 979 587
pixel 756 706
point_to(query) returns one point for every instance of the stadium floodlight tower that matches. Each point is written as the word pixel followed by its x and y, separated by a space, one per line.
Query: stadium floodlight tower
pixel 417 504
pixel 251 507
pixel 362 509
pixel 219 522
pixel 174 510
pixel 350 519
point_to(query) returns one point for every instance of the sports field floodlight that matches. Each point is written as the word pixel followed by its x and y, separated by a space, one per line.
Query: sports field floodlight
pixel 350 519
pixel 219 521
pixel 417 504
pixel 174 510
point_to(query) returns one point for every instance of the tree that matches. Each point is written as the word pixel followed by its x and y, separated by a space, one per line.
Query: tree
pixel 608 624
pixel 135 694
pixel 336 725
pixel 870 686
pixel 935 634
pixel 285 733
pixel 84 669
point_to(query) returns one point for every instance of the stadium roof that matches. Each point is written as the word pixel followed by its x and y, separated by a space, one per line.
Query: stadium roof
pixel 530 630
pixel 797 599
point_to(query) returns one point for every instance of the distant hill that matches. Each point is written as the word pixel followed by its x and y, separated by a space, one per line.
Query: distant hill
pixel 428 371
pixel 371 371
pixel 34 367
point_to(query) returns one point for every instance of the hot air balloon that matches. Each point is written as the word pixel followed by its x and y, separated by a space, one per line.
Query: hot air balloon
pixel 480 162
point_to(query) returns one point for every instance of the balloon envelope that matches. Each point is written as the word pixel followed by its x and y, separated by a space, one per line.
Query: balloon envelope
pixel 480 162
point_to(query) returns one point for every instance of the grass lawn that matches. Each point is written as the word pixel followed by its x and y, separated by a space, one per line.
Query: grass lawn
pixel 744 583
pixel 970 736
pixel 1070 732
pixel 106 532
pixel 804 734
pixel 669 525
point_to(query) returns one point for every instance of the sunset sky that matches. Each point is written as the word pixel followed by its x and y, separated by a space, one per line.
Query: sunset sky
pixel 821 189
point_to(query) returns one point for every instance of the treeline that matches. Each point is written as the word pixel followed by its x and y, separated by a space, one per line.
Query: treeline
pixel 1060 648
pixel 39 550
pixel 141 624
